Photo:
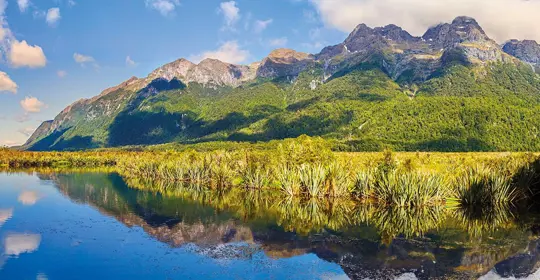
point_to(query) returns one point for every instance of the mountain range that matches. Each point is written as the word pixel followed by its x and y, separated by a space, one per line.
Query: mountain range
pixel 453 89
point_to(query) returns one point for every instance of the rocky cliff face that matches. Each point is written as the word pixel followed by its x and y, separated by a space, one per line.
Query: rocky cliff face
pixel 527 50
pixel 284 62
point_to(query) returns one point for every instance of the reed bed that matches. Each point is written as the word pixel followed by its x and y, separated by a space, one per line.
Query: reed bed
pixel 306 168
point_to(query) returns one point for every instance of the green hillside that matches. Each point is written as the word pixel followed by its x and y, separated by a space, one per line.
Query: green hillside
pixel 460 108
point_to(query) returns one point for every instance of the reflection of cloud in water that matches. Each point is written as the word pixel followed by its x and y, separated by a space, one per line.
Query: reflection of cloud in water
pixel 29 198
pixel 334 276
pixel 407 276
pixel 492 275
pixel 16 244
pixel 42 276
pixel 5 215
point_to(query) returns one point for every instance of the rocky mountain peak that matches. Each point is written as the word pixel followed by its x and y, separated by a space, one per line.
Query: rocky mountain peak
pixel 283 62
pixel 526 50
pixel 287 56
pixel 175 69
pixel 462 29
pixel 395 33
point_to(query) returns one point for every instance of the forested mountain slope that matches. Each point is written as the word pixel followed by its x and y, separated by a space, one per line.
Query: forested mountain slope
pixel 454 89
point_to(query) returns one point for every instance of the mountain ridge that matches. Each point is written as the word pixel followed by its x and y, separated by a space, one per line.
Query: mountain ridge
pixel 407 60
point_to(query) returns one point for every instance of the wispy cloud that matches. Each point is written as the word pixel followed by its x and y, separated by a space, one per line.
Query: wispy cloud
pixel 261 25
pixel 231 14
pixel 61 73
pixel 130 62
pixel 164 7
pixel 53 16
pixel 23 5
pixel 279 42
pixel 228 52
pixel 84 60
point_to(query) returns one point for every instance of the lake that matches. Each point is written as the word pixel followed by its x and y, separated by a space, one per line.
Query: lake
pixel 98 226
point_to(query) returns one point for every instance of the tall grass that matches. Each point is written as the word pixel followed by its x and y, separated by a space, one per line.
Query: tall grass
pixel 409 189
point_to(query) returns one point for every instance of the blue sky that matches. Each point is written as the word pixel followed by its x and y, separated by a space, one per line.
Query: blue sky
pixel 54 52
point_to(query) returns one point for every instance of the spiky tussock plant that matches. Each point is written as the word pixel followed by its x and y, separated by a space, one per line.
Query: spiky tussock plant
pixel 485 188
pixel 338 183
pixel 312 179
pixel 363 184
pixel 289 180
pixel 256 177
pixel 412 189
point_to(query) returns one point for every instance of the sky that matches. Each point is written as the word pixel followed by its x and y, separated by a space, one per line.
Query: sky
pixel 54 52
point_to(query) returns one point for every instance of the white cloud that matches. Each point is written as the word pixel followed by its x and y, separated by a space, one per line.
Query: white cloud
pixel 502 19
pixel 71 3
pixel 81 59
pixel 228 52
pixel 23 55
pixel 231 13
pixel 164 7
pixel 61 73
pixel 53 16
pixel 32 105
pixel 27 131
pixel 7 84
pixel 29 198
pixel 23 5
pixel 261 25
pixel 130 62
pixel 16 243
pixel 279 42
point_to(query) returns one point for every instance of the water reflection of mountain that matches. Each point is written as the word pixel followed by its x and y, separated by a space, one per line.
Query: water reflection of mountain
pixel 371 248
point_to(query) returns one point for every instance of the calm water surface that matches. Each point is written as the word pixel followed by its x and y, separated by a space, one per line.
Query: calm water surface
pixel 95 226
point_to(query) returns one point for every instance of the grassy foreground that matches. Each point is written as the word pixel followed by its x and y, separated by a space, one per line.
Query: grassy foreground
pixel 307 168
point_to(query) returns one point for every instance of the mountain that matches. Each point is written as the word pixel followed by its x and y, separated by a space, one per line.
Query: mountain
pixel 453 89
pixel 527 50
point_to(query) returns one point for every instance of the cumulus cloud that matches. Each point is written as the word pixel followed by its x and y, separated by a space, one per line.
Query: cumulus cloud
pixel 502 19
pixel 22 54
pixel 231 14
pixel 61 73
pixel 7 84
pixel 53 16
pixel 261 25
pixel 228 52
pixel 32 105
pixel 164 7
pixel 23 5
pixel 130 62
pixel 279 42
pixel 28 198
pixel 16 244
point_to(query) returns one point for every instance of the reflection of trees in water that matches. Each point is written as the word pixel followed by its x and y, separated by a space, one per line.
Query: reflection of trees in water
pixel 435 239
